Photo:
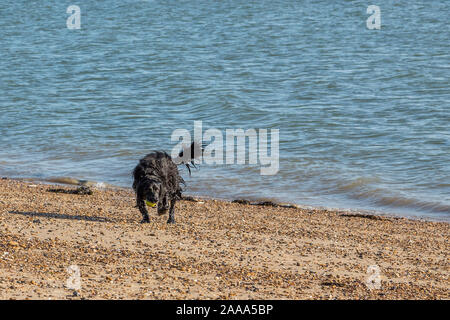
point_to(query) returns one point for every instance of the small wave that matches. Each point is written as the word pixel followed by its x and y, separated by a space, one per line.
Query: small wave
pixel 367 189
pixel 357 184
pixel 413 204
pixel 63 180
pixel 73 181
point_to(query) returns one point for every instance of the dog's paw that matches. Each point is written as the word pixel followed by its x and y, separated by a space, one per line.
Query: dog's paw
pixel 145 220
pixel 171 221
pixel 162 211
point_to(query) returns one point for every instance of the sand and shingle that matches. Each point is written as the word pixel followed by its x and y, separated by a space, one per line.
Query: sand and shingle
pixel 217 250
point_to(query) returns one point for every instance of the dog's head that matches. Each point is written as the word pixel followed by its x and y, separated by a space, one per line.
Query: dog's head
pixel 153 193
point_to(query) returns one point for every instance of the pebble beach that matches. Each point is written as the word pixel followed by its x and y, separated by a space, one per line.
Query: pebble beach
pixel 216 250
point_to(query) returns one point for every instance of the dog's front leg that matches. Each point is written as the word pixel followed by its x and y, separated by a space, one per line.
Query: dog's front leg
pixel 172 212
pixel 143 209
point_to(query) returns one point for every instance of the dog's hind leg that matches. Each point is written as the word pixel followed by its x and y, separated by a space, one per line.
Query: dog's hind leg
pixel 172 211
pixel 143 209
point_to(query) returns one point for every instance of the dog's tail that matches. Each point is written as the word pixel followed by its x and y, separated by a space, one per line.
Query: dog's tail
pixel 189 155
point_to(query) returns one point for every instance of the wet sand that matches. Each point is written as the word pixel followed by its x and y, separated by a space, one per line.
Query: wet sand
pixel 216 250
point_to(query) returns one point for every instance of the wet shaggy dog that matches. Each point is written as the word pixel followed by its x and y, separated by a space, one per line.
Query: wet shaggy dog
pixel 158 182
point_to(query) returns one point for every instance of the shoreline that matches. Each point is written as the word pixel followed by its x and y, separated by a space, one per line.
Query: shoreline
pixel 216 250
pixel 68 182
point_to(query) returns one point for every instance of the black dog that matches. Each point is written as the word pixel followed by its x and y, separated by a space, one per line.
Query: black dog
pixel 158 182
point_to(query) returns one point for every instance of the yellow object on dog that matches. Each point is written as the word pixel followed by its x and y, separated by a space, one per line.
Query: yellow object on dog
pixel 150 204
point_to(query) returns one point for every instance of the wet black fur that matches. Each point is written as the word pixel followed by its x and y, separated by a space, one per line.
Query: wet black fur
pixel 156 179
